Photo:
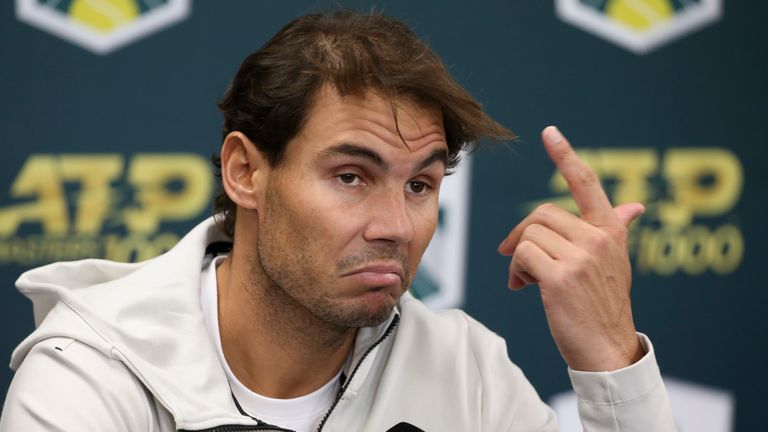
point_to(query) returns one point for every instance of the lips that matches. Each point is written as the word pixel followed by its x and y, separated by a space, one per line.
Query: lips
pixel 382 274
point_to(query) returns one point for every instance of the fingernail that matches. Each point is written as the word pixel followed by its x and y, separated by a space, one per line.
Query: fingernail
pixel 639 211
pixel 553 135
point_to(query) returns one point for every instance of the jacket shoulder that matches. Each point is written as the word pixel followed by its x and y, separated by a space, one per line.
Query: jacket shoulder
pixel 64 384
pixel 447 323
pixel 453 354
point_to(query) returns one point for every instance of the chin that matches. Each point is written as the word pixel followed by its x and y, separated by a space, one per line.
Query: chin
pixel 374 320
pixel 369 312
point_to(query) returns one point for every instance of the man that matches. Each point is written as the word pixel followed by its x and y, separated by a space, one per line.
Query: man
pixel 289 311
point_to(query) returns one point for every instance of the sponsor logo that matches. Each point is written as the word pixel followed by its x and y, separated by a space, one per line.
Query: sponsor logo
pixel 639 25
pixel 74 206
pixel 440 279
pixel 689 194
pixel 696 408
pixel 101 26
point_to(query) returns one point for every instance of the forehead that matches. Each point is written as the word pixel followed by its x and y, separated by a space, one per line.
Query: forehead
pixel 370 120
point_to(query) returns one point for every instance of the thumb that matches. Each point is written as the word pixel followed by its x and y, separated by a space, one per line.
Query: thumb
pixel 628 212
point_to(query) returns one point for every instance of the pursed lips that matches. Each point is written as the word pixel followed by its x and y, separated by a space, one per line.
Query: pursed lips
pixel 379 274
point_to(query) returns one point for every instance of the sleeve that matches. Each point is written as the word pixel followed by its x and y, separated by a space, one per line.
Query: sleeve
pixel 632 399
pixel 65 385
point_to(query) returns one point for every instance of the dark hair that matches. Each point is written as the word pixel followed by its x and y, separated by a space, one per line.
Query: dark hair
pixel 273 90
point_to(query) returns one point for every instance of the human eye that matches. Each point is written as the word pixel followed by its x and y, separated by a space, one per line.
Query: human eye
pixel 351 179
pixel 417 187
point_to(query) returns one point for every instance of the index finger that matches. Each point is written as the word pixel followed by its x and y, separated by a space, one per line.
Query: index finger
pixel 585 186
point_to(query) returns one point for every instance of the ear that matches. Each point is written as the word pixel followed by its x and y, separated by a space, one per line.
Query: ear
pixel 244 170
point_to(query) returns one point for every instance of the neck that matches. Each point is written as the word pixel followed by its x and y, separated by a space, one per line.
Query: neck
pixel 272 344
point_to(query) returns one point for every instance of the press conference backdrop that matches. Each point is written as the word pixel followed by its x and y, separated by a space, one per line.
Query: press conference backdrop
pixel 109 120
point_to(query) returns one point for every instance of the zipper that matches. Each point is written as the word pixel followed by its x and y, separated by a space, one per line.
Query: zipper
pixel 391 327
pixel 240 428
pixel 261 426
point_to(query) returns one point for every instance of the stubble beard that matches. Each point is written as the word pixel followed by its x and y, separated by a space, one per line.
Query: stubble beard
pixel 292 288
pixel 300 301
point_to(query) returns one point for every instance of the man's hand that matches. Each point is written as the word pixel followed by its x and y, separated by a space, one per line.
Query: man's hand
pixel 581 265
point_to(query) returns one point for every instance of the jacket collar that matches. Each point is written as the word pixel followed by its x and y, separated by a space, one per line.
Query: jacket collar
pixel 148 316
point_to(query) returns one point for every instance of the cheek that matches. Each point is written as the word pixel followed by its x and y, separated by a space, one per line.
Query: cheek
pixel 327 224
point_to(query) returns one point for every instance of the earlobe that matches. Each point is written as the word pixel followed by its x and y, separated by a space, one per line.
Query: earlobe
pixel 243 167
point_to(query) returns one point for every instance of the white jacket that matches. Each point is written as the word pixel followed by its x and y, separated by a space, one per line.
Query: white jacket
pixel 124 347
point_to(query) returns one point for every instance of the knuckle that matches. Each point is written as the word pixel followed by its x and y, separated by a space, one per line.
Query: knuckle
pixel 564 153
pixel 533 229
pixel 523 251
pixel 583 261
pixel 598 240
pixel 560 278
pixel 587 177
pixel 544 209
pixel 622 231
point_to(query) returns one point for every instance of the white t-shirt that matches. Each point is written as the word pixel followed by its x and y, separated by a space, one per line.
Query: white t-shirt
pixel 300 414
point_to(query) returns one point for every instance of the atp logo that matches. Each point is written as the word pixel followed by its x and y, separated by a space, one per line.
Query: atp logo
pixel 639 25
pixel 101 26
pixel 690 194
pixel 71 206
pixel 439 283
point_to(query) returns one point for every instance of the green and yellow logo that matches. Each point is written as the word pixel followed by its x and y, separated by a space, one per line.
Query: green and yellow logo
pixel 689 193
pixel 101 25
pixel 639 25
pixel 74 206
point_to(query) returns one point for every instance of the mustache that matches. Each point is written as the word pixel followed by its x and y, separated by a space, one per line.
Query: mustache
pixel 373 255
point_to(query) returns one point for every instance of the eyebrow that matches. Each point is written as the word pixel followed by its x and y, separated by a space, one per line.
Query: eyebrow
pixel 355 151
pixel 439 155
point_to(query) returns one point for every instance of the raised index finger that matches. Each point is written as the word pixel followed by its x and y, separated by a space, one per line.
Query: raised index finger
pixel 585 186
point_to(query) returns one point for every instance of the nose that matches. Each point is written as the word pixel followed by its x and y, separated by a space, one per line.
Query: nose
pixel 389 218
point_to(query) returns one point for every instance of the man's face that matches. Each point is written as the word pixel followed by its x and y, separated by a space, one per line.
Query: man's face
pixel 350 210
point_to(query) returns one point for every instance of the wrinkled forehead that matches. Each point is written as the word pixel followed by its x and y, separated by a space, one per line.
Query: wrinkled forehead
pixel 410 118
